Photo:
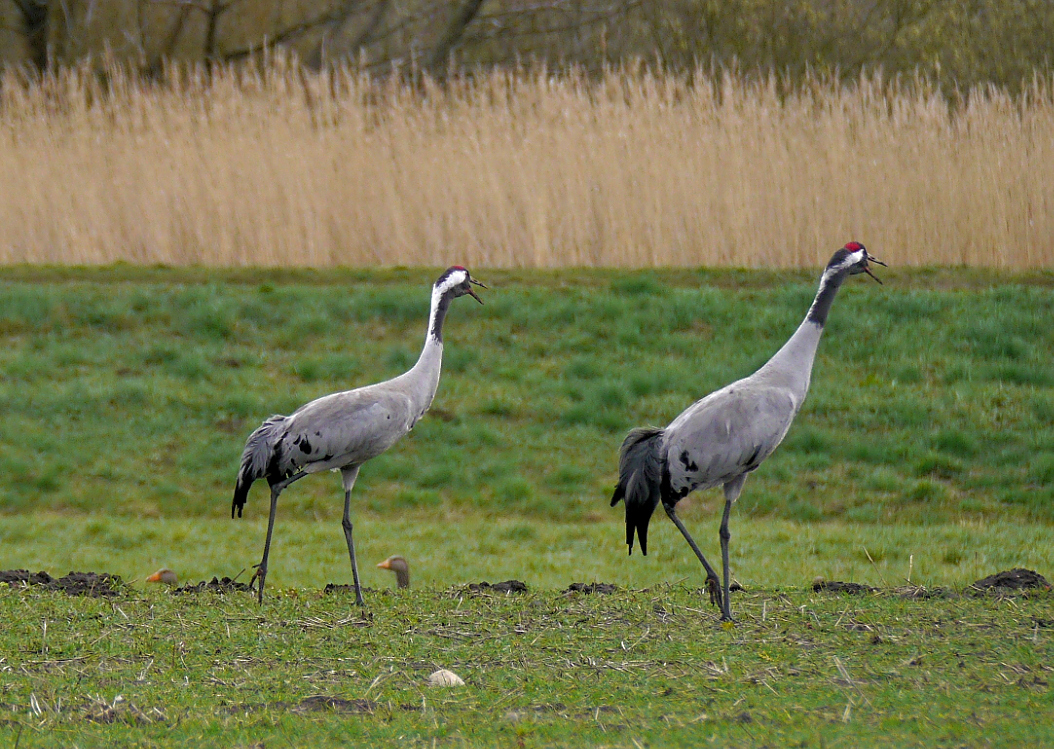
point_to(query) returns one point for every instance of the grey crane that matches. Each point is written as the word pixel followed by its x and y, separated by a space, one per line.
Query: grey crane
pixel 343 430
pixel 721 438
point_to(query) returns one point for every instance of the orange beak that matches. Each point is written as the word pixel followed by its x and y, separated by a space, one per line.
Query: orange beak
pixel 385 565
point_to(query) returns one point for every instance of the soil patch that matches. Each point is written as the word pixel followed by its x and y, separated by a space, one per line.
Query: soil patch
pixel 121 710
pixel 1017 579
pixel 94 584
pixel 332 588
pixel 834 586
pixel 215 585
pixel 509 586
pixel 314 704
pixel 918 592
pixel 599 588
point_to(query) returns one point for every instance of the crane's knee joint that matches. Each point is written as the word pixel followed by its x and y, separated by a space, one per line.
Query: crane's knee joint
pixel 347 525
pixel 725 535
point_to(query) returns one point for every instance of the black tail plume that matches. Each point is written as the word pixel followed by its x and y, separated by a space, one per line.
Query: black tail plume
pixel 259 454
pixel 639 481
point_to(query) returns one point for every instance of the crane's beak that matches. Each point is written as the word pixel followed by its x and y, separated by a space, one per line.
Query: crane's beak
pixel 876 261
pixel 471 293
pixel 386 564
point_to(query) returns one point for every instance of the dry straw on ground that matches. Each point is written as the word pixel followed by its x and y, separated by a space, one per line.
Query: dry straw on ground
pixel 519 169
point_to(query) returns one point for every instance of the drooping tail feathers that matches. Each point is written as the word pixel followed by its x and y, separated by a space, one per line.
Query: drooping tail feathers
pixel 639 481
pixel 258 455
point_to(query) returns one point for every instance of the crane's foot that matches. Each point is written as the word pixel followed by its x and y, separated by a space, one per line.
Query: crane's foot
pixel 713 587
pixel 260 575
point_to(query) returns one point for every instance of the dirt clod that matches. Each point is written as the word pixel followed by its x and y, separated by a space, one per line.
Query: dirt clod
pixel 321 702
pixel 94 584
pixel 313 704
pixel 509 586
pixel 918 592
pixel 123 711
pixel 341 588
pixel 600 588
pixel 1017 579
pixel 834 586
pixel 215 585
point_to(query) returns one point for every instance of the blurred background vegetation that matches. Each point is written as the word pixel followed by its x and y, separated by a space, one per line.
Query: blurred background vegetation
pixel 958 44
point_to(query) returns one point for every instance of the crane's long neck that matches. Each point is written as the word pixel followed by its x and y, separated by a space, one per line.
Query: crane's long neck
pixel 792 364
pixel 424 375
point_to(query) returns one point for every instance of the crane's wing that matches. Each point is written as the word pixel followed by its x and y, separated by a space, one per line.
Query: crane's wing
pixel 347 428
pixel 727 434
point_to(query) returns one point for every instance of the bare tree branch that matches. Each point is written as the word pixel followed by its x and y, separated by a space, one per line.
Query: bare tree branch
pixel 366 35
pixel 288 34
pixel 454 31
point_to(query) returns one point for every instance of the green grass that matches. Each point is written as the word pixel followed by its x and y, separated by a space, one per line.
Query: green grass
pixel 132 392
pixel 637 668
pixel 446 549
pixel 923 452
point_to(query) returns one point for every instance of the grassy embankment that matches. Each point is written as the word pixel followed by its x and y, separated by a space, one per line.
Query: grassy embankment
pixel 926 441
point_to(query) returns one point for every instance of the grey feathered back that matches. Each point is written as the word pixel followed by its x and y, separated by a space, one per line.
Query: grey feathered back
pixel 640 481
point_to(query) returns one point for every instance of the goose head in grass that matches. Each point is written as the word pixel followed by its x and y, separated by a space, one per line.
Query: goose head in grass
pixel 164 575
pixel 401 569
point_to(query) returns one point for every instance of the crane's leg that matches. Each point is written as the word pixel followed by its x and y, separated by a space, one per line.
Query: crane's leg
pixel 261 568
pixel 349 475
pixel 712 583
pixel 732 490
pixel 726 608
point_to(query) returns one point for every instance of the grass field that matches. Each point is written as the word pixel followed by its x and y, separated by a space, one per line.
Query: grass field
pixel 922 455
pixel 520 169
pixel 632 669
pixel 133 391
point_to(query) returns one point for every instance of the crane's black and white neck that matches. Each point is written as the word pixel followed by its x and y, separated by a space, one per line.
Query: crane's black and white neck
pixel 848 261
pixel 795 358
pixel 422 380
pixel 454 282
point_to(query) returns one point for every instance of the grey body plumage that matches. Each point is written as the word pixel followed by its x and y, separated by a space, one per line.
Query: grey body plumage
pixel 341 431
pixel 720 439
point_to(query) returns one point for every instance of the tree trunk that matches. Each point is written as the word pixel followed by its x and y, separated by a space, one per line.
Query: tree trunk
pixel 35 30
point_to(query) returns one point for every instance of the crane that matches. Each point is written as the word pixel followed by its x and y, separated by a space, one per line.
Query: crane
pixel 341 431
pixel 720 439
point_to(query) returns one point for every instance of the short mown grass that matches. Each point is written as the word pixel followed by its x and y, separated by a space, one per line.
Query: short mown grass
pixel 446 549
pixel 635 668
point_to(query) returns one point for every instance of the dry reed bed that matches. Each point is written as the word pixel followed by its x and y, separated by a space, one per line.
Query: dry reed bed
pixel 519 169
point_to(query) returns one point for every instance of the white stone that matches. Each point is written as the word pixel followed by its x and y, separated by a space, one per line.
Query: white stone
pixel 444 678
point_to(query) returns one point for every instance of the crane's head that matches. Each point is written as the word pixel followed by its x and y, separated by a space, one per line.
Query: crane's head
pixel 853 258
pixel 456 280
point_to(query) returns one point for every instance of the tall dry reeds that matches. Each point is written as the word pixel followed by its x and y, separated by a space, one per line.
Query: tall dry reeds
pixel 281 168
